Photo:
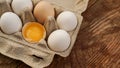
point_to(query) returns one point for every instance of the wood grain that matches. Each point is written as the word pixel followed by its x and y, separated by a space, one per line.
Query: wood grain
pixel 98 42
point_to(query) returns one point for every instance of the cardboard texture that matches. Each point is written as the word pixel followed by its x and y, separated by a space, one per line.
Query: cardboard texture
pixel 38 55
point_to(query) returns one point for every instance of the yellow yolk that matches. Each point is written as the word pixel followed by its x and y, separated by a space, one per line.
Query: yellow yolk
pixel 33 32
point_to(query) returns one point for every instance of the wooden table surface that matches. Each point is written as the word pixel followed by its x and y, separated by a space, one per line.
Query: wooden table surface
pixel 97 44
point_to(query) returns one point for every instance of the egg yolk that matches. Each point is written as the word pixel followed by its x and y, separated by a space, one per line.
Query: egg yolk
pixel 33 32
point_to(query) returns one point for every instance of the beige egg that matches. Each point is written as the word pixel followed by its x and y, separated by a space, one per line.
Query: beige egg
pixel 42 10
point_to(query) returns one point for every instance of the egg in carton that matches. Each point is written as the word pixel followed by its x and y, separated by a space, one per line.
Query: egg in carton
pixel 39 55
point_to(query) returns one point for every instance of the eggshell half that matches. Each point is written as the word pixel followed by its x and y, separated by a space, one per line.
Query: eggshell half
pixel 10 23
pixel 67 21
pixel 42 10
pixel 33 32
pixel 59 40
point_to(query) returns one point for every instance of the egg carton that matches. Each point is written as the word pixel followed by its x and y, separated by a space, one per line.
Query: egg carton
pixel 38 55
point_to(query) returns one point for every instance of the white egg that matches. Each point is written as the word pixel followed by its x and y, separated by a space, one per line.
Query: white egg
pixel 67 21
pixel 20 5
pixel 10 23
pixel 9 1
pixel 59 40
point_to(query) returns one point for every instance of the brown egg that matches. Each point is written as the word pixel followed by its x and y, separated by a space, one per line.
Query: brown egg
pixel 42 10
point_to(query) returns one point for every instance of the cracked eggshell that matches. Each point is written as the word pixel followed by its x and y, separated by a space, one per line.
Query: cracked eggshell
pixel 67 21
pixel 33 32
pixel 10 23
pixel 21 5
pixel 59 40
